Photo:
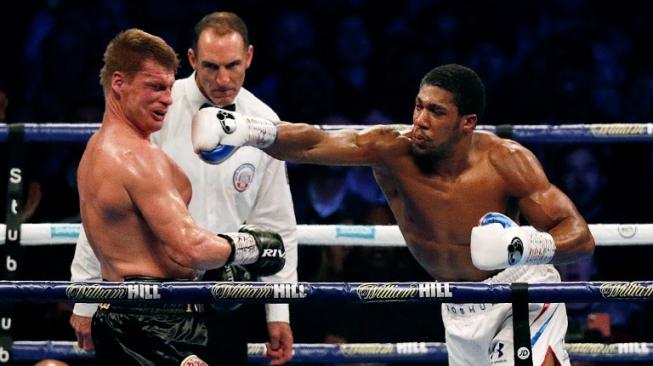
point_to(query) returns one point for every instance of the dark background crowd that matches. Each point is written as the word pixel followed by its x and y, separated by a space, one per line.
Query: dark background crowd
pixel 360 62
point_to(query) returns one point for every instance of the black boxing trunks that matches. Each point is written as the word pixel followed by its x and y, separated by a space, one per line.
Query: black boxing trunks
pixel 152 334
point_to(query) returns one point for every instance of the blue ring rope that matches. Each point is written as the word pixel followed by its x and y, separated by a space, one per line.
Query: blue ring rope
pixel 578 133
pixel 352 352
pixel 256 292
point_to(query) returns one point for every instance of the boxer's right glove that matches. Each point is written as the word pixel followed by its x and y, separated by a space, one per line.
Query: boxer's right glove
pixel 260 251
pixel 499 243
pixel 228 273
pixel 217 132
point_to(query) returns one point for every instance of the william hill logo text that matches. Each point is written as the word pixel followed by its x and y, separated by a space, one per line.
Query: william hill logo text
pixel 619 129
pixel 366 349
pixel 412 348
pixel 371 291
pixel 609 349
pixel 95 292
pixel 268 291
pixel 130 291
pixel 289 291
pixel 143 291
pixel 434 289
pixel 626 289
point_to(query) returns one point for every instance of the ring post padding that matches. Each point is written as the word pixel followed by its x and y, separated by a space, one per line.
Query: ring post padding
pixel 523 353
pixel 11 251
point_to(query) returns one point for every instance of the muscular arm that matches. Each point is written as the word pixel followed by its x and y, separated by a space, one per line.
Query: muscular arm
pixel 542 204
pixel 150 185
pixel 308 144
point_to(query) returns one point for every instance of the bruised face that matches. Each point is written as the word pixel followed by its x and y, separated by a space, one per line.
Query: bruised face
pixel 145 96
pixel 436 123
pixel 220 64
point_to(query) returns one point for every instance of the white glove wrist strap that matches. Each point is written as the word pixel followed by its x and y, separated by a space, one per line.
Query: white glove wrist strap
pixel 244 248
pixel 262 132
pixel 539 247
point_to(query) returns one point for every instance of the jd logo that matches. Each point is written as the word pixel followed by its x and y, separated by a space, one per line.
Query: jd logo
pixel 523 353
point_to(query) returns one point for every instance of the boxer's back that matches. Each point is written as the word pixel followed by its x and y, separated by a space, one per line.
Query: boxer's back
pixel 113 169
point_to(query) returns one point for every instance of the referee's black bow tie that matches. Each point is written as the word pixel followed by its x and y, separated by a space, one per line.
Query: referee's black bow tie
pixel 229 107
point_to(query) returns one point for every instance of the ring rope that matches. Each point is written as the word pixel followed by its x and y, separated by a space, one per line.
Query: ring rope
pixel 352 352
pixel 331 292
pixel 348 235
pixel 600 132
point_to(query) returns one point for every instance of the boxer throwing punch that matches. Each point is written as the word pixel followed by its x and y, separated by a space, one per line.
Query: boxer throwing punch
pixel 456 194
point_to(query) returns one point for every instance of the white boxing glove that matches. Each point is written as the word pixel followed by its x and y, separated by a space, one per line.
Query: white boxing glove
pixel 217 133
pixel 499 243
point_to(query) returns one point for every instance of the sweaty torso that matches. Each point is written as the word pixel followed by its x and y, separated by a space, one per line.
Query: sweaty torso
pixel 116 229
pixel 436 214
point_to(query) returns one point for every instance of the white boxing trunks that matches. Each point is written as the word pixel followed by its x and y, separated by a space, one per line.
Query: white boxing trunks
pixel 481 334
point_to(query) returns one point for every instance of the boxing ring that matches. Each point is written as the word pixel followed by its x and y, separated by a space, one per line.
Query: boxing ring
pixel 14 234
pixel 302 292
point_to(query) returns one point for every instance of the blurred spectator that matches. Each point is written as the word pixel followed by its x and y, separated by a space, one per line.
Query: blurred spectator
pixel 578 313
pixel 294 35
pixel 491 62
pixel 305 91
pixel 50 362
pixel 563 96
pixel 4 103
pixel 354 49
pixel 33 193
pixel 291 37
pixel 563 17
pixel 326 191
pixel 321 198
pixel 360 182
pixel 610 52
pixel 57 33
pixel 584 179
pixel 640 99
pixel 58 200
pixel 395 76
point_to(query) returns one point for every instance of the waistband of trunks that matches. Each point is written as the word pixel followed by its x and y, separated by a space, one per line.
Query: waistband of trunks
pixel 152 308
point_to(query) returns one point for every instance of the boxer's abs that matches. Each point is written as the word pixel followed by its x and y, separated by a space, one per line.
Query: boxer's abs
pixel 447 262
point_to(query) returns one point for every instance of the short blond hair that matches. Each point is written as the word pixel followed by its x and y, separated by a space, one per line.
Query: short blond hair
pixel 129 49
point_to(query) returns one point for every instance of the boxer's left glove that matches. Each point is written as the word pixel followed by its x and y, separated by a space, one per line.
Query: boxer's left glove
pixel 217 133
pixel 260 251
pixel 499 243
